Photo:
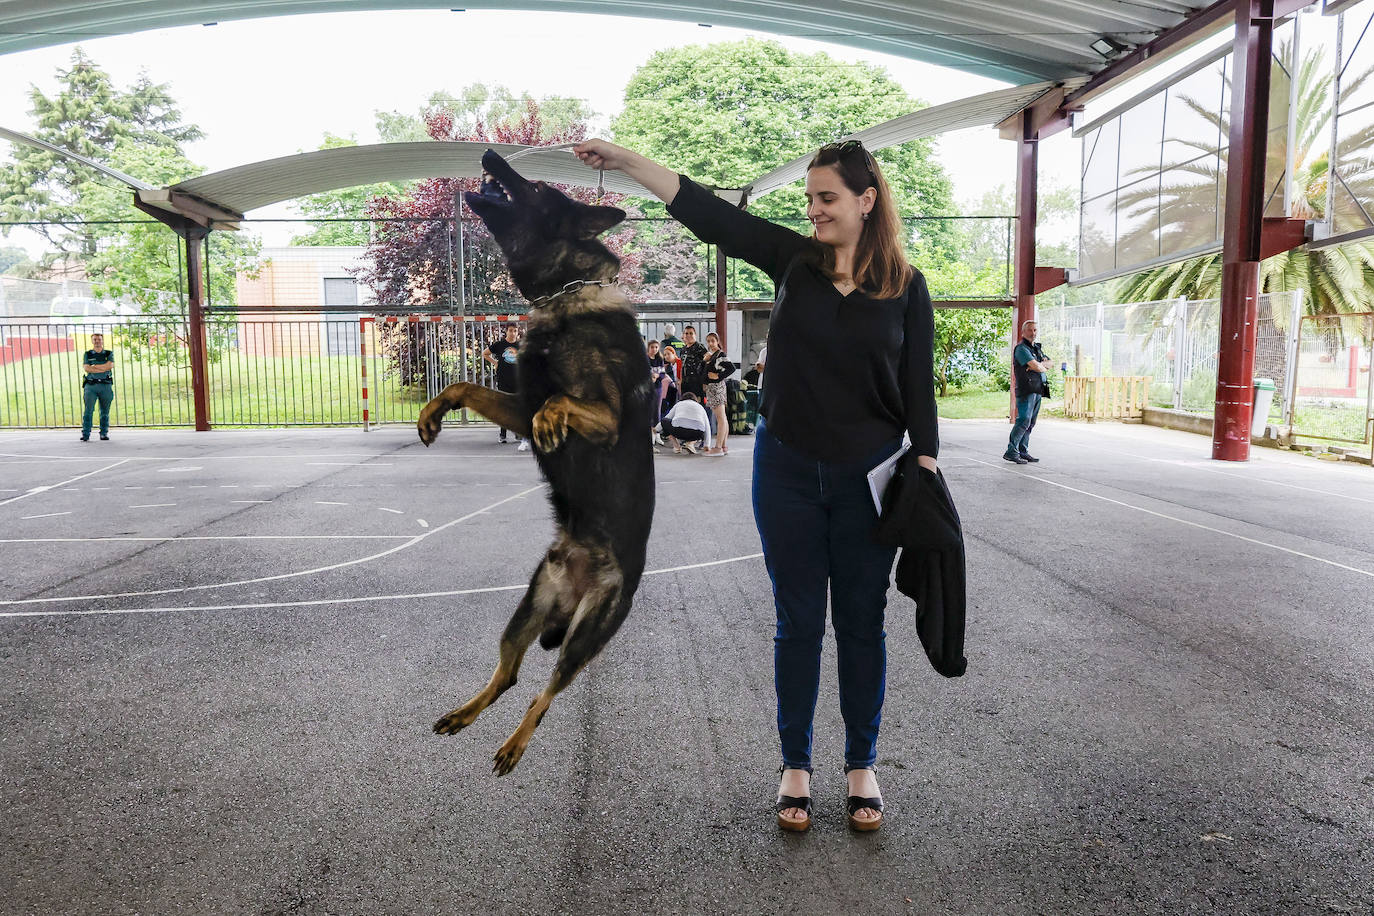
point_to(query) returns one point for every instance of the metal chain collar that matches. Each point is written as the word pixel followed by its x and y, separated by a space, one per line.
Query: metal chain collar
pixel 572 287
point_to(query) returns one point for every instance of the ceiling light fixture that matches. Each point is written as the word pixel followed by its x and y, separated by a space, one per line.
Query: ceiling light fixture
pixel 1106 47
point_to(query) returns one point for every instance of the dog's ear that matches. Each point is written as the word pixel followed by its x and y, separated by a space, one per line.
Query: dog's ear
pixel 588 221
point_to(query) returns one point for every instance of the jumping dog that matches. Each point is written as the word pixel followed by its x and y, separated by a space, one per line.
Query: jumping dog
pixel 584 402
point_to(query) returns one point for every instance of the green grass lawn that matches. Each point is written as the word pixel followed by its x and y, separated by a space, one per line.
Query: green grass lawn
pixel 973 403
pixel 244 391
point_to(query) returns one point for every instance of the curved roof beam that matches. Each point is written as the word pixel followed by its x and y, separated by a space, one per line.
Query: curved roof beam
pixel 1016 42
pixel 260 184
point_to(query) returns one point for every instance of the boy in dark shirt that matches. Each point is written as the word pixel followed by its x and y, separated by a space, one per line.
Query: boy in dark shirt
pixel 97 385
pixel 502 354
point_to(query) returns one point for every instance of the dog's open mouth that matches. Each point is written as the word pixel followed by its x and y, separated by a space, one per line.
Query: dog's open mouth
pixel 493 191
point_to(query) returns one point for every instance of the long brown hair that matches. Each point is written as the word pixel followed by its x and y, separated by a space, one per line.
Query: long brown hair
pixel 880 265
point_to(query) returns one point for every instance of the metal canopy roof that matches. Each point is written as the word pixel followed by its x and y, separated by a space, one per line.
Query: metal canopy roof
pixel 248 187
pixel 1019 41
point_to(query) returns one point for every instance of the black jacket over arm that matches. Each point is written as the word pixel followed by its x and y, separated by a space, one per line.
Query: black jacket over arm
pixel 920 518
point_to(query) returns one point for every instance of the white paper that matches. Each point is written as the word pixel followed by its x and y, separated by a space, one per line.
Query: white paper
pixel 881 476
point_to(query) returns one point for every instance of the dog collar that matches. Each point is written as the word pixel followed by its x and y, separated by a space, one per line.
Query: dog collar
pixel 572 287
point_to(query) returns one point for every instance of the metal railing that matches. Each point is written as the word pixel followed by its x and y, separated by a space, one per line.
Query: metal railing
pixel 1175 341
pixel 262 370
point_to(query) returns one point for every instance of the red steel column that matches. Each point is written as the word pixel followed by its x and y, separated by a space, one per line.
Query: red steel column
pixel 720 299
pixel 1023 272
pixel 1251 56
pixel 195 338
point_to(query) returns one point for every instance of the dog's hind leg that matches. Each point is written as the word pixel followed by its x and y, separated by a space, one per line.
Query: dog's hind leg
pixel 598 615
pixel 529 618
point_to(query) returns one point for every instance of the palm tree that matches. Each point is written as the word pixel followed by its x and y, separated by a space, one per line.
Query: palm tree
pixel 1337 279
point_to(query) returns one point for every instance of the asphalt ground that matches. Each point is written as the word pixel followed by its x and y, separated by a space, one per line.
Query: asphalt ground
pixel 223 652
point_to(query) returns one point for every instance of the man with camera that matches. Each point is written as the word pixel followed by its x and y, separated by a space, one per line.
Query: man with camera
pixel 1029 368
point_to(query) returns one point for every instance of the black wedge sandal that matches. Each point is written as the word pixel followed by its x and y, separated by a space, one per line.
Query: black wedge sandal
pixel 855 803
pixel 793 801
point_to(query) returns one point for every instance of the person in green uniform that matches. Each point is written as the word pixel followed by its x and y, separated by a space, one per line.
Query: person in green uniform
pixel 97 386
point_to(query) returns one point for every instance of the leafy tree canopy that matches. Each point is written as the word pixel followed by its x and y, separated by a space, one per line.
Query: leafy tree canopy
pixel 726 113
pixel 89 218
pixel 341 204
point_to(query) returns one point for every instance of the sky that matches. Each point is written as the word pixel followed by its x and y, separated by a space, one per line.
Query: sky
pixel 271 87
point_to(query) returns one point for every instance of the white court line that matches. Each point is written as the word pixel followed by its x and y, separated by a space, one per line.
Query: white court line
pixel 25 518
pixel 211 537
pixel 321 502
pixel 349 464
pixel 62 483
pixel 1181 521
pixel 317 602
pixel 304 572
pixel 1195 464
pixel 385 509
pixel 154 506
pixel 250 500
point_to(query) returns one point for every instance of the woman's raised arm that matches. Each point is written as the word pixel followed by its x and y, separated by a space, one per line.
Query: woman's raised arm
pixel 601 154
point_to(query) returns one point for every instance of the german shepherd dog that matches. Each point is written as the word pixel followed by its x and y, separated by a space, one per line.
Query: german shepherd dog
pixel 584 401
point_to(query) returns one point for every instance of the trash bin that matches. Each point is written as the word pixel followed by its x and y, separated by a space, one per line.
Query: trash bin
pixel 1264 396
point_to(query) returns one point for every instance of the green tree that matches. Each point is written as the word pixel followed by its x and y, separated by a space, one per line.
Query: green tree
pixel 89 116
pixel 1336 278
pixel 88 218
pixel 14 260
pixel 726 113
pixel 341 204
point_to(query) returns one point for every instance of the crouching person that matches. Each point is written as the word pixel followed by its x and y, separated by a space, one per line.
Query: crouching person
pixel 686 424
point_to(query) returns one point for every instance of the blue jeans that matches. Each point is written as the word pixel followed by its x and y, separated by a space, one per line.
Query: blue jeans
pixel 816 522
pixel 90 394
pixel 1027 409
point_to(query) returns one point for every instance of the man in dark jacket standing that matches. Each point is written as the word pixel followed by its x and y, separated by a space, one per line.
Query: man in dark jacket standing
pixel 1029 366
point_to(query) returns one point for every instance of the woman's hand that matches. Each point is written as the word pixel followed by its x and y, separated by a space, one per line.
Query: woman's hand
pixel 926 462
pixel 602 154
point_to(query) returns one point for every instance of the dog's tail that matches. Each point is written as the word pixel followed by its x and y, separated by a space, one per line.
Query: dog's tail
pixel 552 637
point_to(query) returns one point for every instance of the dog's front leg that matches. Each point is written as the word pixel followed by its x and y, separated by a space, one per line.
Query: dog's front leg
pixel 596 421
pixel 501 408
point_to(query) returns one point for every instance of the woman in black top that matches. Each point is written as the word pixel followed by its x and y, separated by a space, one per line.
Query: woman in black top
pixel 826 420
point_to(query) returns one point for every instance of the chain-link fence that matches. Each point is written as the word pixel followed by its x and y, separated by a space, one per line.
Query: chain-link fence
pixel 1334 390
pixel 1175 341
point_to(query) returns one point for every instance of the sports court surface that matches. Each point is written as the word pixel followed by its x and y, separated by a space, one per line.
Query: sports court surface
pixel 223 653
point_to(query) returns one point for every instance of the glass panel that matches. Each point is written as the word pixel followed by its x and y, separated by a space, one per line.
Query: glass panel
pixel 1099 159
pixel 1188 206
pixel 1137 222
pixel 1141 129
pixel 1097 240
pixel 1359 58
pixel 1355 167
pixel 1280 89
pixel 1191 121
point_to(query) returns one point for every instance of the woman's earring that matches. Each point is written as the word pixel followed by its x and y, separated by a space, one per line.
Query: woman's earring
pixel 865 217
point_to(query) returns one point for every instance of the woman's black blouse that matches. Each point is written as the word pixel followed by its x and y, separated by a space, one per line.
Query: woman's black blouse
pixel 845 374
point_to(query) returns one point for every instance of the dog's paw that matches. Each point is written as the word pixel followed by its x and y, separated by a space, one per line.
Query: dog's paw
pixel 454 722
pixel 549 427
pixel 430 422
pixel 509 755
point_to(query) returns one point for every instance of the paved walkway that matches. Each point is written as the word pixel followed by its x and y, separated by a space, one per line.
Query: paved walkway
pixel 223 652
